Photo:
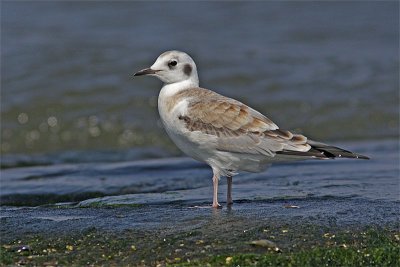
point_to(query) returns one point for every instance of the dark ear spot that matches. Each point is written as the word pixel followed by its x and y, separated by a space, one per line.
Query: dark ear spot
pixel 187 69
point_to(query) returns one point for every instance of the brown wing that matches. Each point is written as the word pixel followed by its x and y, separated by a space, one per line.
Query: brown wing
pixel 239 127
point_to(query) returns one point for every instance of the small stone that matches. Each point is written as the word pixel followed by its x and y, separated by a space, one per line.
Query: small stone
pixel 265 244
pixel 24 248
pixel 291 207
pixel 329 235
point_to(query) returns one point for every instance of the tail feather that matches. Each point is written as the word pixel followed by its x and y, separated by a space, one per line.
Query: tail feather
pixel 323 151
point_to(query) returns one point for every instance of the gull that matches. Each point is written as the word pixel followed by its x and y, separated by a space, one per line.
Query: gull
pixel 222 132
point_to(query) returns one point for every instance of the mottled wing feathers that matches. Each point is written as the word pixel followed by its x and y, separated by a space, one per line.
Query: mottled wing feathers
pixel 230 115
pixel 239 127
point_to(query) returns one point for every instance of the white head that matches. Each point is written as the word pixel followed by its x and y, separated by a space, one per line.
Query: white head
pixel 173 67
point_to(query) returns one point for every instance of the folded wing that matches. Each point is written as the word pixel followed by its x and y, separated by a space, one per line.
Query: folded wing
pixel 239 127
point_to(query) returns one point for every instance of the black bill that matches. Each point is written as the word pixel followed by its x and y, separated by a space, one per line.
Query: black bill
pixel 145 72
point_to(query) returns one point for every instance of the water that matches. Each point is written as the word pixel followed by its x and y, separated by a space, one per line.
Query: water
pixel 329 70
pixel 183 180
pixel 77 128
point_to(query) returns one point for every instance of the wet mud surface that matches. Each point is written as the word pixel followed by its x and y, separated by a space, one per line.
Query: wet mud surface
pixel 175 218
pixel 157 212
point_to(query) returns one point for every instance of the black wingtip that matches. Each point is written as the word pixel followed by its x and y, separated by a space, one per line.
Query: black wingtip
pixel 358 156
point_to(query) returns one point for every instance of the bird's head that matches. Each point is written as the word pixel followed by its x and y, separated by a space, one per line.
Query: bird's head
pixel 172 67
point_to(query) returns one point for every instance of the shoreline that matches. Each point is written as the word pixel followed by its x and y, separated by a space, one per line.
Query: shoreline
pixel 182 235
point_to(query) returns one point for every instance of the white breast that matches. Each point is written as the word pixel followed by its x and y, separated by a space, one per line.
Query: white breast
pixel 194 144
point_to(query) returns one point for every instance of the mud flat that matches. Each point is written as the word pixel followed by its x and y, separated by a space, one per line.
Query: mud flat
pixel 335 213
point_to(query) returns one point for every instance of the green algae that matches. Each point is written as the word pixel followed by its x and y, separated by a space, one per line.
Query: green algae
pixel 309 246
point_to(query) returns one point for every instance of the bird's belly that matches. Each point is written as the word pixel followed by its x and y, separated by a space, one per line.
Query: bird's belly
pixel 203 148
pixel 188 144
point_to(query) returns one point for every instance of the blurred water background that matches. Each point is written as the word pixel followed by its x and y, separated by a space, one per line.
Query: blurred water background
pixel 329 70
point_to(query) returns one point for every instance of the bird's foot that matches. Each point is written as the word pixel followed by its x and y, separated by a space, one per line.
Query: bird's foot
pixel 216 206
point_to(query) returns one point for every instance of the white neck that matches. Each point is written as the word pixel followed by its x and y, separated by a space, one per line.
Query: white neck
pixel 173 88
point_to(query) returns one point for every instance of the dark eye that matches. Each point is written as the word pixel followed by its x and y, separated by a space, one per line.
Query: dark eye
pixel 172 63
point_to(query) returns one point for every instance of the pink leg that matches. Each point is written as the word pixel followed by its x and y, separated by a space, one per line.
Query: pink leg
pixel 229 200
pixel 215 204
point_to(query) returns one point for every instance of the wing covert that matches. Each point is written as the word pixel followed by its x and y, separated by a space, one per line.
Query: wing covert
pixel 239 128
